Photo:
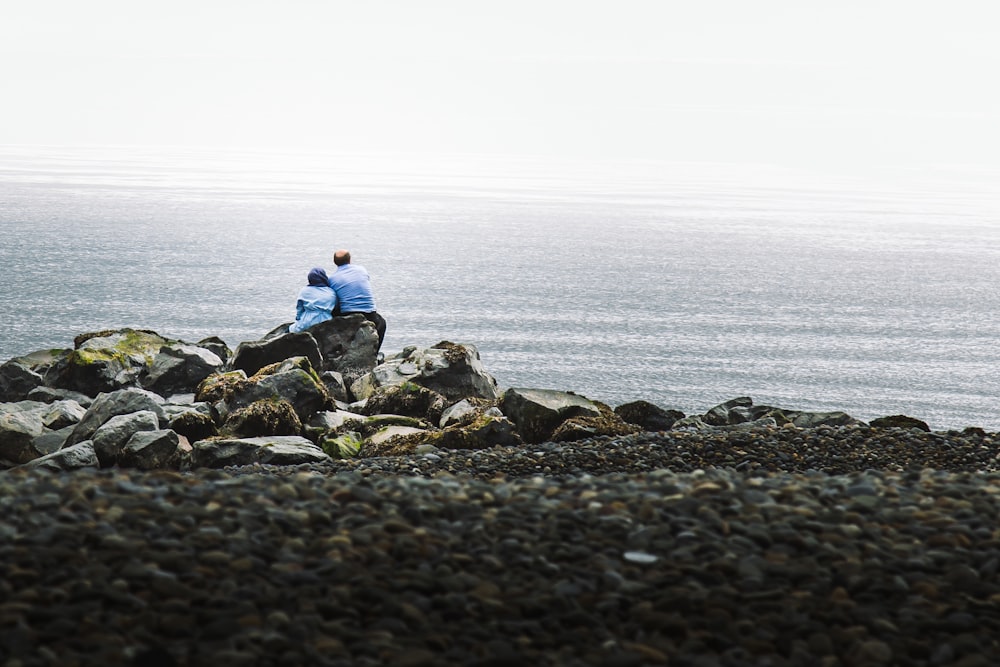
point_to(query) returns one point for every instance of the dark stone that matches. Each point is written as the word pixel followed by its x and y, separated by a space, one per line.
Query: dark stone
pixel 265 417
pixel 179 368
pixel 347 344
pixel 151 450
pixel 252 356
pixel 17 380
pixel 121 402
pixel 538 412
pixel 899 421
pixel 407 399
pixel 648 416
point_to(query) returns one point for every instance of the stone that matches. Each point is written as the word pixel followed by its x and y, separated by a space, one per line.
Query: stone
pixel 386 433
pixel 292 381
pixel 648 416
pixel 180 367
pixel 348 345
pixel 735 411
pixel 274 450
pixel 19 426
pixel 53 395
pixel 151 450
pixel 264 417
pixel 111 437
pixel 343 446
pixel 899 421
pixel 252 356
pixel 50 441
pixel 453 370
pixel 407 399
pixel 589 426
pixel 62 414
pixel 335 386
pixel 538 412
pixel 17 380
pixel 193 424
pixel 219 387
pixel 459 413
pixel 80 455
pixel 217 346
pixel 105 361
pixel 108 405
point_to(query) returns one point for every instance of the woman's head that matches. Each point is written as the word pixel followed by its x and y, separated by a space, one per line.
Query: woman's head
pixel 317 276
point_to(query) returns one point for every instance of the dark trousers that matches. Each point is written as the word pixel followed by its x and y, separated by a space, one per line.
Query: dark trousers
pixel 372 317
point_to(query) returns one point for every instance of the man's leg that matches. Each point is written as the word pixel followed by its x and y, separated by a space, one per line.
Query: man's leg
pixel 379 323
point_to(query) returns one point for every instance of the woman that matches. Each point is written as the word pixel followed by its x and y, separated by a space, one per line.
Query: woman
pixel 316 301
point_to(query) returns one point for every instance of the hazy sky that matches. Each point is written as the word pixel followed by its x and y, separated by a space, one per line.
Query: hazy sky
pixel 797 81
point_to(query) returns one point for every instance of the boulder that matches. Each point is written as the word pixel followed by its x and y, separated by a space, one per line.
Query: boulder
pixel 459 413
pixel 335 386
pixel 62 414
pixel 488 429
pixel 219 387
pixel 647 416
pixel 292 380
pixel 110 438
pixel 17 380
pixel 735 411
pixel 582 427
pixel 80 455
pixel 50 441
pixel 121 402
pixel 217 346
pixel 264 417
pixel 193 424
pixel 538 412
pixel 105 361
pixel 252 356
pixel 344 446
pixel 407 399
pixel 900 421
pixel 151 450
pixel 272 450
pixel 180 367
pixel 53 395
pixel 20 424
pixel 329 422
pixel 452 370
pixel 347 344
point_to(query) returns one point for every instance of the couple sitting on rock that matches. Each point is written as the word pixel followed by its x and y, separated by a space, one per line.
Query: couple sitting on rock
pixel 347 291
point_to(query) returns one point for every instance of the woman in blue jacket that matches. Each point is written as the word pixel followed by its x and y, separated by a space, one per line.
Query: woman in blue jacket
pixel 316 301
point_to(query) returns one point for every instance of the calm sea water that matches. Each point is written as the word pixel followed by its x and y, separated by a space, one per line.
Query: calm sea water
pixel 685 285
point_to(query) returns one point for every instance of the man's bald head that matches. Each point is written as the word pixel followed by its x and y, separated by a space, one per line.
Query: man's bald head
pixel 341 257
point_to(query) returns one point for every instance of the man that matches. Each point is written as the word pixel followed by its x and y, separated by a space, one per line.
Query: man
pixel 354 292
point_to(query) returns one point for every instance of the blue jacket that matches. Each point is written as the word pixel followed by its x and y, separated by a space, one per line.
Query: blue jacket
pixel 354 289
pixel 314 306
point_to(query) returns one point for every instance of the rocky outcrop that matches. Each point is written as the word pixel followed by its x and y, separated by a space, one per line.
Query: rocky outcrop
pixel 455 371
pixel 292 380
pixel 105 361
pixel 537 413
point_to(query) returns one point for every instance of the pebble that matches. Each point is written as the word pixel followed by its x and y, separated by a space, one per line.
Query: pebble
pixel 856 547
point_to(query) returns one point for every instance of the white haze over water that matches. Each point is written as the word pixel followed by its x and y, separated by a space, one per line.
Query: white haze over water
pixel 683 284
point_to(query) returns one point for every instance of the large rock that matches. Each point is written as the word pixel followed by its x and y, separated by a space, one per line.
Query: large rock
pixel 50 441
pixel 538 412
pixel 264 417
pixel 252 356
pixel 17 380
pixel 586 426
pixel 648 416
pixel 105 361
pixel 742 410
pixel 80 455
pixel 735 411
pixel 347 344
pixel 20 424
pixel 900 421
pixel 452 370
pixel 121 402
pixel 111 437
pixel 62 414
pixel 54 395
pixel 292 380
pixel 273 450
pixel 407 399
pixel 179 368
pixel 151 450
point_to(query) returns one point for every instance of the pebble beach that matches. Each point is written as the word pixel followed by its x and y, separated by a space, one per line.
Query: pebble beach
pixel 832 546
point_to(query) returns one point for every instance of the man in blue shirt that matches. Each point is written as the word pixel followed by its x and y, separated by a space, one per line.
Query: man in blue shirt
pixel 354 292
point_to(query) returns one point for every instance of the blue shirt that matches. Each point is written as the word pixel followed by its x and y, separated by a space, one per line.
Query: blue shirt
pixel 314 306
pixel 354 289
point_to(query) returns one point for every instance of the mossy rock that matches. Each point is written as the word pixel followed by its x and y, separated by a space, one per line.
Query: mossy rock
pixel 107 360
pixel 220 386
pixel 375 423
pixel 344 446
pixel 409 399
pixel 900 421
pixel 260 418
pixel 194 426
pixel 583 427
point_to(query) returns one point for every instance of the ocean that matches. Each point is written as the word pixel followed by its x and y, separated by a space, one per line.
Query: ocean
pixel 682 284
